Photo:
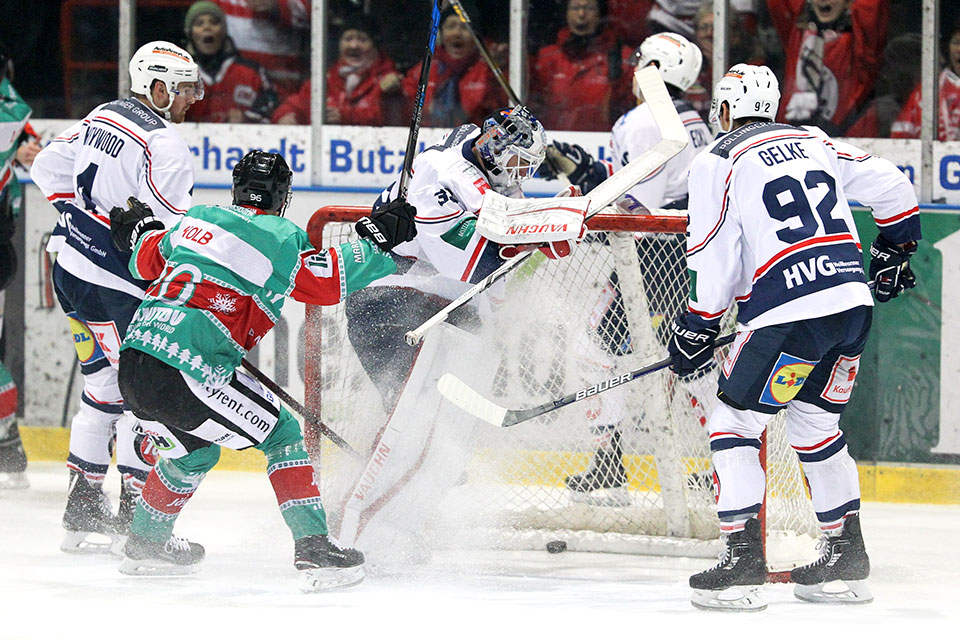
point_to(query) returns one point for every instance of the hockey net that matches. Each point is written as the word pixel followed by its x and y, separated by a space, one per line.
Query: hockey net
pixel 557 331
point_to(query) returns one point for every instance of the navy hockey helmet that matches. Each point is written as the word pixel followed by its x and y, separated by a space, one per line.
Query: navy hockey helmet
pixel 262 180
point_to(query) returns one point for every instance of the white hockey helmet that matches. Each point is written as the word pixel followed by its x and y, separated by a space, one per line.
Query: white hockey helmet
pixel 508 134
pixel 678 59
pixel 167 63
pixel 751 91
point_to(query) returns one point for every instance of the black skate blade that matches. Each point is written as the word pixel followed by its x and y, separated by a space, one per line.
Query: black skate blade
pixel 330 578
pixel 835 592
pixel 612 497
pixel 92 543
pixel 740 598
pixel 156 568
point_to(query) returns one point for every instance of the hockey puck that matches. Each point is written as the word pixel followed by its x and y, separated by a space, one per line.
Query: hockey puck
pixel 556 546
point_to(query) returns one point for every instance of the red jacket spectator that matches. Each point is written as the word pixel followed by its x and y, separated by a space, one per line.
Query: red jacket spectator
pixel 275 35
pixel 582 84
pixel 363 105
pixel 239 92
pixel 461 88
pixel 907 124
pixel 236 89
pixel 831 65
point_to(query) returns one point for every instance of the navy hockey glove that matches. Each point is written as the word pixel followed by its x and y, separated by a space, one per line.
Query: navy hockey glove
pixel 571 160
pixel 690 349
pixel 128 225
pixel 890 268
pixel 390 225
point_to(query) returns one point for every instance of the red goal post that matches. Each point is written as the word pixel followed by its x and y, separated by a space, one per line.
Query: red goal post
pixel 670 508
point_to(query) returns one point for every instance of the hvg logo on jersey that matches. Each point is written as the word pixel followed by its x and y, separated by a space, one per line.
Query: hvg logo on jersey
pixel 786 380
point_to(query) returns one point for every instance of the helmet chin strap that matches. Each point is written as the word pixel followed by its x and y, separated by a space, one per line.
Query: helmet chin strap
pixel 164 111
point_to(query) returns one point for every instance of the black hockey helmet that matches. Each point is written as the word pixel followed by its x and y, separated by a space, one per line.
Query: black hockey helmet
pixel 262 180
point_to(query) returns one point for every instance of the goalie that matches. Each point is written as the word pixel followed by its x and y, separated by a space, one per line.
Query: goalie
pixel 466 229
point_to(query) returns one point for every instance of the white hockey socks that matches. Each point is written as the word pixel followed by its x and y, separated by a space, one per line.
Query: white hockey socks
pixel 739 478
pixel 830 470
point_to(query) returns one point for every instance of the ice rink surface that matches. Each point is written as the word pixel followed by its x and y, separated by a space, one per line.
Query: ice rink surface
pixel 248 587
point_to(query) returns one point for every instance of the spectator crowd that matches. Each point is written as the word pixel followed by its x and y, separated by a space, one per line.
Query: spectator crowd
pixel 851 67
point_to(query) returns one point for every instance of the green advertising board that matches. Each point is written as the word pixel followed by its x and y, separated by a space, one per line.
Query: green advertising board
pixel 895 412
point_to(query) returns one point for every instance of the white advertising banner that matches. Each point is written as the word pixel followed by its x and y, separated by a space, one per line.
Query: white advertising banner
pixel 946 172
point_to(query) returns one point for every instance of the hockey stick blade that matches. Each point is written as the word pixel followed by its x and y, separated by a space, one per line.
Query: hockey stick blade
pixel 459 393
pixel 456 391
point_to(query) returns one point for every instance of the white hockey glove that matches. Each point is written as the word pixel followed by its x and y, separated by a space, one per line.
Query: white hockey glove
pixel 802 106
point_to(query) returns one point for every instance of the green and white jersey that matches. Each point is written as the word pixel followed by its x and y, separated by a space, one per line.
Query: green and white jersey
pixel 220 278
pixel 14 113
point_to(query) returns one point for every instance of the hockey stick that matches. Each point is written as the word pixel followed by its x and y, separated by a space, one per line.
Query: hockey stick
pixel 307 414
pixel 456 391
pixel 418 103
pixel 673 140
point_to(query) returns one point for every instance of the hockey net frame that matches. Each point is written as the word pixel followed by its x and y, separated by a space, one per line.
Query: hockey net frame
pixel 680 471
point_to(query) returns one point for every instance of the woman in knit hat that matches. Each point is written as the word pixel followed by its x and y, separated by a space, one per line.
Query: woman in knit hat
pixel 237 89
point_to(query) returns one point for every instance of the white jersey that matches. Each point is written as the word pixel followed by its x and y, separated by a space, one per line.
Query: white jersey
pixel 769 225
pixel 447 256
pixel 121 149
pixel 636 131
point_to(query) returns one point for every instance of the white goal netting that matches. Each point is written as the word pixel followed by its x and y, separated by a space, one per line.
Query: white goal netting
pixel 561 326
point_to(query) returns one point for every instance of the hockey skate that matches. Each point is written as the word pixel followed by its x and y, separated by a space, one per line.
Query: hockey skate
pixel 128 503
pixel 323 564
pixel 13 460
pixel 88 519
pixel 604 483
pixel 174 557
pixel 735 583
pixel 839 576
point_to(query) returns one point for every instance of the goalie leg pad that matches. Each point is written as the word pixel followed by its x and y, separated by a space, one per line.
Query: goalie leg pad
pixel 420 454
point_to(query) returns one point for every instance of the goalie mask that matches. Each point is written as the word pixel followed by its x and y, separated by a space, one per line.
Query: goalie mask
pixel 167 63
pixel 750 91
pixel 512 145
pixel 262 180
pixel 678 59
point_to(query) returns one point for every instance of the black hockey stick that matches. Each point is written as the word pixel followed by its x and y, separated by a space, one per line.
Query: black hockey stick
pixel 418 103
pixel 456 391
pixel 307 414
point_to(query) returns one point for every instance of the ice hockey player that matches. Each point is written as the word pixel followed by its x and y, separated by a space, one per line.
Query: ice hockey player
pixel 122 148
pixel 663 265
pixel 20 147
pixel 448 255
pixel 770 228
pixel 221 276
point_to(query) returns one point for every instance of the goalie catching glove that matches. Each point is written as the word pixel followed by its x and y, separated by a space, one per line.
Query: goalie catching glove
pixel 576 163
pixel 128 225
pixel 890 268
pixel 691 350
pixel 390 225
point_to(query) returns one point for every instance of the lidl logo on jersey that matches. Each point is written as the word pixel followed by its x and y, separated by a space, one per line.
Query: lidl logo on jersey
pixel 786 380
pixel 84 341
